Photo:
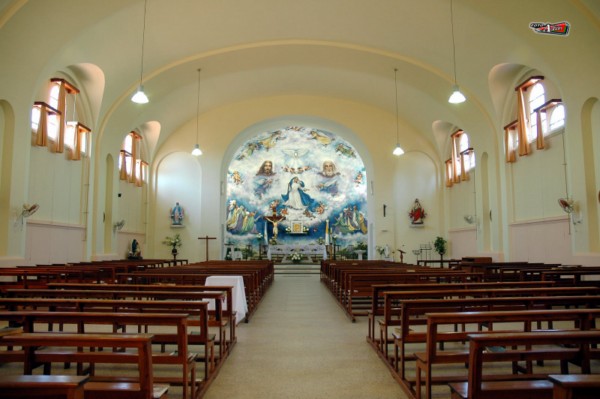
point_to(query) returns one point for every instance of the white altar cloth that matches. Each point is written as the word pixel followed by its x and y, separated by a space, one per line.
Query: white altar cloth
pixel 238 294
pixel 308 250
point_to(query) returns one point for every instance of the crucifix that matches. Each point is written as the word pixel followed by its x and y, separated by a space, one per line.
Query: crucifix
pixel 274 219
pixel 206 238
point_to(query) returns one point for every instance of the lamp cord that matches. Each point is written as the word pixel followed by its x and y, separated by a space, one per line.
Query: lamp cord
pixel 396 84
pixel 198 107
pixel 453 41
pixel 143 41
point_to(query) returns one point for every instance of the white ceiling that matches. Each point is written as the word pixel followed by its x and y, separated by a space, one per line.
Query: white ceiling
pixel 345 49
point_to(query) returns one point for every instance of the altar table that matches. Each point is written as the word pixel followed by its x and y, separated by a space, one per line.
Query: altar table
pixel 308 250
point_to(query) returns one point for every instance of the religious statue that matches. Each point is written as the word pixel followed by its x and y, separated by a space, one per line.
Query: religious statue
pixel 417 213
pixel 177 215
pixel 135 251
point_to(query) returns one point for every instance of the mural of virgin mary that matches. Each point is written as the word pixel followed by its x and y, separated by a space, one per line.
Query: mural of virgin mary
pixel 296 197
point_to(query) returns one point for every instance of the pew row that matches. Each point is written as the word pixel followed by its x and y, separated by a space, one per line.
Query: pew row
pixel 439 332
pixel 39 348
pixel 564 347
pixel 83 322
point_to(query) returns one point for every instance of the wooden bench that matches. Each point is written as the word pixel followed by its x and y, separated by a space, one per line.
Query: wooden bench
pixel 412 315
pixel 42 386
pixel 562 346
pixel 439 331
pixel 357 289
pixel 378 304
pixel 217 296
pixel 229 317
pixel 198 311
pixel 392 300
pixel 40 348
pixel 575 386
pixel 86 321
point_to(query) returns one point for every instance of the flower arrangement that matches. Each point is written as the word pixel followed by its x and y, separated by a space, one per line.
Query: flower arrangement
pixel 174 242
pixel 321 241
pixel 296 257
pixel 259 236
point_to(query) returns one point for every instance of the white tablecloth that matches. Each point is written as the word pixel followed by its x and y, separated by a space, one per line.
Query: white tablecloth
pixel 305 250
pixel 238 293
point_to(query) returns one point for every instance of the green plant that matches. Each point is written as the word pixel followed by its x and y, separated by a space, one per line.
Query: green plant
pixel 361 246
pixel 440 245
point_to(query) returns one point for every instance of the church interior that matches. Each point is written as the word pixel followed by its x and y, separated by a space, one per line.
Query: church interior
pixel 204 130
pixel 299 85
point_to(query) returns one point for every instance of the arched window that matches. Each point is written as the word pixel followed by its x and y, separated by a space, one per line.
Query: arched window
pixel 462 159
pixel 537 98
pixel 131 165
pixel 54 122
pixel 557 118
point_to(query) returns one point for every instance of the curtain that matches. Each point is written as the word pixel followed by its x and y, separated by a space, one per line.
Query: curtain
pixel 449 173
pixel 540 131
pixel 59 146
pixel 456 166
pixel 42 130
pixel 123 172
pixel 522 122
pixel 509 149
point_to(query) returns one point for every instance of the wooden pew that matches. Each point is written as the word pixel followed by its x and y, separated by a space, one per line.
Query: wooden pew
pixel 251 281
pixel 575 386
pixel 227 314
pixel 516 321
pixel 197 309
pixel 357 289
pixel 85 321
pixel 217 296
pixel 38 348
pixel 392 310
pixel 412 315
pixel 42 386
pixel 377 303
pixel 567 346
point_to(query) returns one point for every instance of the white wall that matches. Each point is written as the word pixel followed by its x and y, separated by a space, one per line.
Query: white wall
pixel 180 180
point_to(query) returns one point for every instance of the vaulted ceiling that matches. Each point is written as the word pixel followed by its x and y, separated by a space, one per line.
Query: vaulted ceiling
pixel 344 49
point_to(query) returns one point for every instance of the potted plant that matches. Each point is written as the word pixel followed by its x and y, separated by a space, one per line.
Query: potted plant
pixel 296 257
pixel 440 246
pixel 173 242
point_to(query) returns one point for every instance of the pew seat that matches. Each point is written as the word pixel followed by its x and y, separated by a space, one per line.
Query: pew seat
pixel 42 386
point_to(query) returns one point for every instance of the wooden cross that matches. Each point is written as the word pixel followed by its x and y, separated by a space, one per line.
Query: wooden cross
pixel 206 238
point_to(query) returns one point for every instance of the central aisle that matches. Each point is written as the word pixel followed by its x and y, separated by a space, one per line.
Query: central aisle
pixel 300 344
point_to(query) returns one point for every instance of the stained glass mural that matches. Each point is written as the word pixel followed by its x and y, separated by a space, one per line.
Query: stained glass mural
pixel 288 185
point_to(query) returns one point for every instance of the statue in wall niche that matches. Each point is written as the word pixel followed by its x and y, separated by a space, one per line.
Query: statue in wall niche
pixel 135 252
pixel 417 213
pixel 177 215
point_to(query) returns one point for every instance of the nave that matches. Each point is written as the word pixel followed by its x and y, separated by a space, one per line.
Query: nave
pixel 300 344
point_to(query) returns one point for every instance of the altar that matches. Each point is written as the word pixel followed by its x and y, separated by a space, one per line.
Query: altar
pixel 306 250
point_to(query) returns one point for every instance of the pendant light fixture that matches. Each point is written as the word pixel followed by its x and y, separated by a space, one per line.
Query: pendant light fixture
pixel 398 150
pixel 197 151
pixel 140 97
pixel 456 97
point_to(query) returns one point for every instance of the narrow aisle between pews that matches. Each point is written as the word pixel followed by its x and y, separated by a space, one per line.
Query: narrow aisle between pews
pixel 300 344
